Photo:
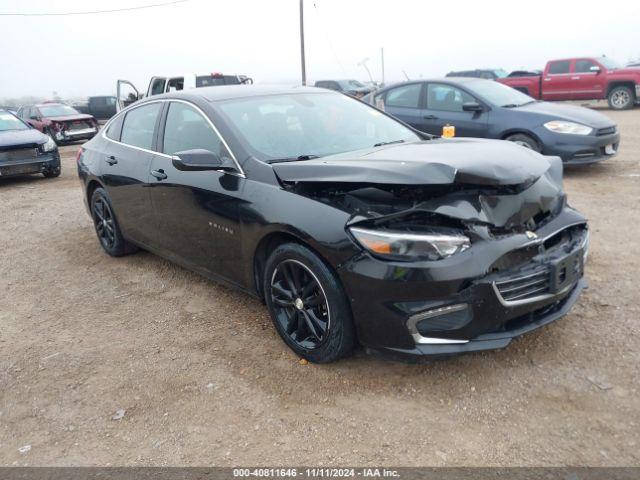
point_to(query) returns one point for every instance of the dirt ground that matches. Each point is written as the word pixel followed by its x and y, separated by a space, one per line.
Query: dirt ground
pixel 203 378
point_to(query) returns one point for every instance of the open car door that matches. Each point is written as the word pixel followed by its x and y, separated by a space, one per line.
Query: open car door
pixel 126 94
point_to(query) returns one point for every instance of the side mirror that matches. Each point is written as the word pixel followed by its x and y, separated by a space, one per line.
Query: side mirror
pixel 201 159
pixel 472 107
pixel 594 68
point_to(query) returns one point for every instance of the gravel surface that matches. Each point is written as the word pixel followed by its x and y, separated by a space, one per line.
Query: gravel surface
pixel 135 361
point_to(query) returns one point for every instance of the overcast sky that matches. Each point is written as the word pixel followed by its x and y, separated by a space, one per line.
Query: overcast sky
pixel 85 54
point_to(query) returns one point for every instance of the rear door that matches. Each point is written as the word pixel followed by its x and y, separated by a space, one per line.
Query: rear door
pixel 587 80
pixel 404 102
pixel 556 81
pixel 443 106
pixel 125 170
pixel 196 211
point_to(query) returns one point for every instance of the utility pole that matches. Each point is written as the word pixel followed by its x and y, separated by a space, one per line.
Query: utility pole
pixel 304 69
pixel 382 62
pixel 363 63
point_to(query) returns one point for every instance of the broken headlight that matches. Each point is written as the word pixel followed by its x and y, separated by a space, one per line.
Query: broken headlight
pixel 560 126
pixel 49 146
pixel 410 246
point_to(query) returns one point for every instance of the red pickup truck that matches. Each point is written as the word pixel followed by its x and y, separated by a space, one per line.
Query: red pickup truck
pixel 582 78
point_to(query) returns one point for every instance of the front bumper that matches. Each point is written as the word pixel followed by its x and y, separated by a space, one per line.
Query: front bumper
pixel 412 309
pixel 73 135
pixel 579 149
pixel 37 163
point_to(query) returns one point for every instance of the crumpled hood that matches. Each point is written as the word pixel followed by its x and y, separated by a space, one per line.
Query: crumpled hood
pixel 71 118
pixel 15 138
pixel 572 113
pixel 431 162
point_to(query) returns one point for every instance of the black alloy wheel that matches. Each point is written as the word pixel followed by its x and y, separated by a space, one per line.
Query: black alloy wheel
pixel 307 303
pixel 104 223
pixel 300 304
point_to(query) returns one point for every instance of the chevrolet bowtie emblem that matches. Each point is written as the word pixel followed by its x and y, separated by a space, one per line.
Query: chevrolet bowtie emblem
pixel 530 235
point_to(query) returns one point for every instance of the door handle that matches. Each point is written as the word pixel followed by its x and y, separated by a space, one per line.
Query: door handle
pixel 159 174
pixel 575 78
pixel 430 117
pixel 111 160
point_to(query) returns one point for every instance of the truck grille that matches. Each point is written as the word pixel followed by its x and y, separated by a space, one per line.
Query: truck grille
pixel 524 287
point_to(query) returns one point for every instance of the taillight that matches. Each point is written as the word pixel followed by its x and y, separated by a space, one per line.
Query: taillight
pixel 79 154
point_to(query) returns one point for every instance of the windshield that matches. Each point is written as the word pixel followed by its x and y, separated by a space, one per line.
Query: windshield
pixel 498 94
pixel 316 124
pixel 350 84
pixel 9 122
pixel 56 110
pixel 608 63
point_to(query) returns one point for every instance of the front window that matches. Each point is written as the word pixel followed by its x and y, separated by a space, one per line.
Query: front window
pixel 584 66
pixel 57 110
pixel 498 94
pixel 10 122
pixel 446 98
pixel 187 129
pixel 318 124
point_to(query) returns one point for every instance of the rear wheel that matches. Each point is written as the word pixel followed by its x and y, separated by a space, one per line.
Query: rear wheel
pixel 524 141
pixel 106 226
pixel 621 98
pixel 307 304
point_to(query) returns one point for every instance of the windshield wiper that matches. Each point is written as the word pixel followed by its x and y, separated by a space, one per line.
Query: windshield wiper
pixel 510 105
pixel 294 159
pixel 380 144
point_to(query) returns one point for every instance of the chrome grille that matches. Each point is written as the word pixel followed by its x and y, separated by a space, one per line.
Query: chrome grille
pixel 524 287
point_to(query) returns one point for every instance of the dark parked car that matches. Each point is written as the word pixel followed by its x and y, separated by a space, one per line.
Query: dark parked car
pixel 61 122
pixel 486 73
pixel 24 150
pixel 347 223
pixel 350 87
pixel 487 109
pixel 101 107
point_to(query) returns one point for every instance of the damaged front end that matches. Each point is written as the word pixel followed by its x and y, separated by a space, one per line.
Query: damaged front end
pixel 462 263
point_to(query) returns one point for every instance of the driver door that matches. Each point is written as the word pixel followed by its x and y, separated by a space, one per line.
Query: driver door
pixel 197 212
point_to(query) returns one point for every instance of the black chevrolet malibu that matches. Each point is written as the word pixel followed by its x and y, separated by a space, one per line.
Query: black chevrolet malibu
pixel 487 109
pixel 351 226
pixel 24 150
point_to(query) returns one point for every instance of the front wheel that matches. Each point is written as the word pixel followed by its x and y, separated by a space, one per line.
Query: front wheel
pixel 307 304
pixel 107 227
pixel 524 141
pixel 621 98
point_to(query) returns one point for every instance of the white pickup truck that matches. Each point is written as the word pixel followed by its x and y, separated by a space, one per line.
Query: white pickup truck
pixel 127 93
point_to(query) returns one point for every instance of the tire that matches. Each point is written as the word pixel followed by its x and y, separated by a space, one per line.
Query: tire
pixel 52 172
pixel 525 141
pixel 106 226
pixel 308 305
pixel 621 98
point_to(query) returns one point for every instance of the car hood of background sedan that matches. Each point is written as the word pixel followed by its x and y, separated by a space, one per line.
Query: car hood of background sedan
pixel 16 138
pixel 431 162
pixel 571 113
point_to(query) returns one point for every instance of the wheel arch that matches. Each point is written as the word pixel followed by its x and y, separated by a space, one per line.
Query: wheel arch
pixel 621 83
pixel 92 186
pixel 269 243
pixel 523 131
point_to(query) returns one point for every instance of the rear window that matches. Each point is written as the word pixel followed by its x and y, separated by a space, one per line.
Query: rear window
pixel 139 125
pixel 114 129
pixel 214 81
pixel 559 67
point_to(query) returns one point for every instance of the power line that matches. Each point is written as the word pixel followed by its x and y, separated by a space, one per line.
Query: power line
pixel 61 14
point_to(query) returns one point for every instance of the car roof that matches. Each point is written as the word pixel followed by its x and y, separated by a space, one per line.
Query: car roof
pixel 229 92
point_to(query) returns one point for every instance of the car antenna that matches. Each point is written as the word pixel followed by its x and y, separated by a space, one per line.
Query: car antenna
pixel 405 74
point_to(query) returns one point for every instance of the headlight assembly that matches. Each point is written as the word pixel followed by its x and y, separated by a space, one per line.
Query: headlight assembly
pixel 561 126
pixel 49 146
pixel 410 246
